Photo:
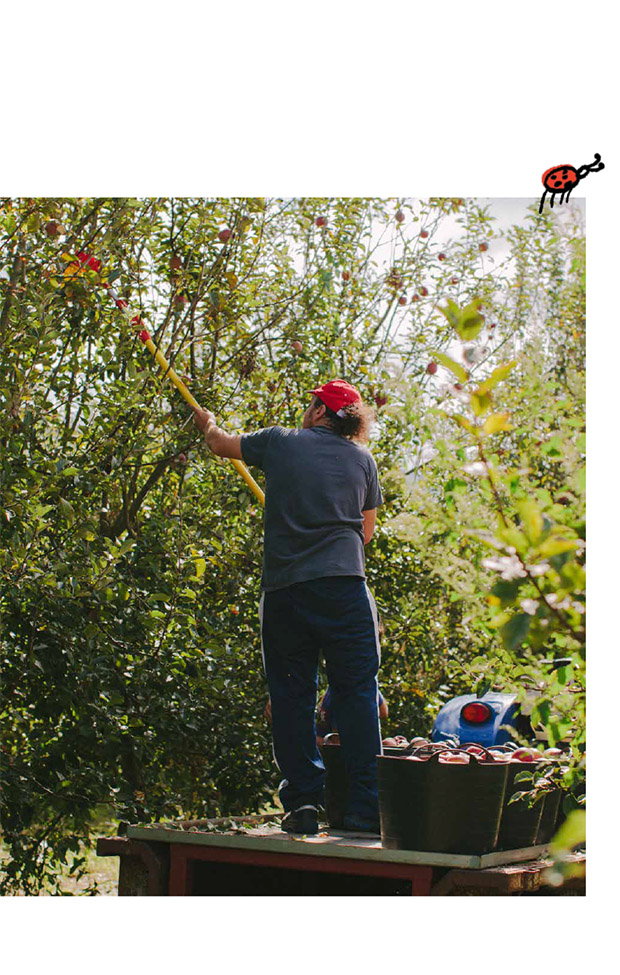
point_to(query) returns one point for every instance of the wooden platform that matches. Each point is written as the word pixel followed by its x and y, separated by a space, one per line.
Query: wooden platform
pixel 253 856
pixel 330 842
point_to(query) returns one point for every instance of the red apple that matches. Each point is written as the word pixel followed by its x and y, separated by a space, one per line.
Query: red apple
pixel 400 216
pixel 476 750
pixel 346 275
pixel 454 758
pixel 416 298
pixel 402 300
pixel 182 458
pixel 424 291
pixel 52 228
pixel 483 247
pixel 380 400
pixel 321 221
pixel 424 233
pixel 441 257
pixel 297 346
pixel 454 280
pixel 389 743
pixel 225 235
pixel 525 755
pixel 176 263
pixel 431 368
pixel 180 300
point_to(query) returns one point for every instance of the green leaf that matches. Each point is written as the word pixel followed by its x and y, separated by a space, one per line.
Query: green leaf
pixel 515 631
pixel 66 509
pixel 554 546
pixel 200 565
pixel 471 322
pixel 540 713
pixel 450 364
pixel 464 422
pixel 481 403
pixel 531 519
pixel 42 509
pixel 496 423
pixel 496 376
pixel 571 833
pixel 452 313
pixel 507 590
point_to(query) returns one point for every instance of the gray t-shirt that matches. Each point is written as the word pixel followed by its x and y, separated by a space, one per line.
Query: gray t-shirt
pixel 317 484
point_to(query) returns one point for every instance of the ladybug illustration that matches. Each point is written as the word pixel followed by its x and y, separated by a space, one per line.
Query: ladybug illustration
pixel 564 179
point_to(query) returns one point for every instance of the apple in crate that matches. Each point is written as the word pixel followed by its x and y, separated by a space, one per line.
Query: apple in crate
pixel 454 758
pixel 526 755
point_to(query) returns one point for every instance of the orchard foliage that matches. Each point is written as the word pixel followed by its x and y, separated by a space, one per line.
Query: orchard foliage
pixel 130 557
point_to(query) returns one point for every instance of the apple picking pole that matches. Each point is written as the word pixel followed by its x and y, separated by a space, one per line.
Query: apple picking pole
pixel 146 339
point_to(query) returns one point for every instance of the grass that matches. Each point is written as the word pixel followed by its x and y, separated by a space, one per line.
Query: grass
pixel 100 878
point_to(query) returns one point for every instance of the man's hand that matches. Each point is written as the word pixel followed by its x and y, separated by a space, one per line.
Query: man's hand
pixel 220 443
pixel 203 418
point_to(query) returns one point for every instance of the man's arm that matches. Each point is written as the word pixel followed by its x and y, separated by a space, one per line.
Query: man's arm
pixel 370 518
pixel 218 441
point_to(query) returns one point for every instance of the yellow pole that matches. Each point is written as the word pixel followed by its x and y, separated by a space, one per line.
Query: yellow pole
pixel 137 322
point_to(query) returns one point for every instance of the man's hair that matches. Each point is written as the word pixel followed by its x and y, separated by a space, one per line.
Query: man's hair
pixel 355 424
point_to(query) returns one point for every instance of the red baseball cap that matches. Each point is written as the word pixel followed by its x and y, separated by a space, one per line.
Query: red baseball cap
pixel 336 394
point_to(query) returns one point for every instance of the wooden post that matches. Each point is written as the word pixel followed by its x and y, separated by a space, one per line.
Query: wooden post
pixel 181 872
pixel 421 881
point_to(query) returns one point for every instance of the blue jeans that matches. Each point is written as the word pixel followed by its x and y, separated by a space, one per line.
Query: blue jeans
pixel 335 615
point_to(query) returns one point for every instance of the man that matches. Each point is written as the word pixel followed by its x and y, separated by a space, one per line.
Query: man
pixel 321 496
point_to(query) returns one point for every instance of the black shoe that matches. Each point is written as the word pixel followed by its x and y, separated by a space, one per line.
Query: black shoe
pixel 357 825
pixel 302 820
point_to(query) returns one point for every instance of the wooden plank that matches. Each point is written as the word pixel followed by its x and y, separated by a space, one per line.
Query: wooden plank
pixel 181 874
pixel 505 880
pixel 512 856
pixel 419 875
pixel 142 869
pixel 346 846
pixel 264 831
